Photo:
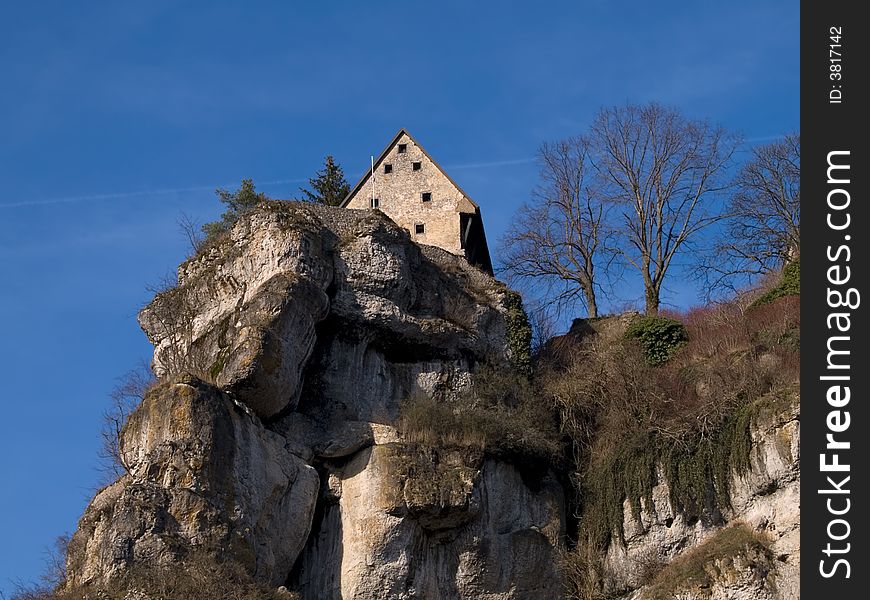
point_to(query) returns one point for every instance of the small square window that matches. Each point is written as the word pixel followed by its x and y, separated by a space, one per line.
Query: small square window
pixel 403 148
pixel 416 166
pixel 388 168
pixel 419 228
pixel 376 202
pixel 426 196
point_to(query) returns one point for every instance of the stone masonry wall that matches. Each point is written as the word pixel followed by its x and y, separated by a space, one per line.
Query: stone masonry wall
pixel 399 195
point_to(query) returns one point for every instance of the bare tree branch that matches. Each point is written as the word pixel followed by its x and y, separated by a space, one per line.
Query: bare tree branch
pixel 124 398
pixel 192 230
pixel 557 237
pixel 665 173
pixel 762 232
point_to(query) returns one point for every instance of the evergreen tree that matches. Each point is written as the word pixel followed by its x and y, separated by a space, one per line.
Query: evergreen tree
pixel 329 186
pixel 239 202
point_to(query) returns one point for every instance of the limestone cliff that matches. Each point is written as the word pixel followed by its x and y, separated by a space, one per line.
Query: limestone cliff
pixel 284 354
pixel 273 441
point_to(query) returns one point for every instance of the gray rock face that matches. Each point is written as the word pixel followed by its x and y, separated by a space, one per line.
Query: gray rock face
pixel 203 475
pixel 246 312
pixel 311 325
pixel 406 524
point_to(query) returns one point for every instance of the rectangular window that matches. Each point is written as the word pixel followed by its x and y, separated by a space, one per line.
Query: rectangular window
pixel 419 228
pixel 376 202
pixel 403 148
pixel 388 168
pixel 416 166
pixel 426 196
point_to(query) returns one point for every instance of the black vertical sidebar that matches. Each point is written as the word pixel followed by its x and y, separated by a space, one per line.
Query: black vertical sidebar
pixel 835 227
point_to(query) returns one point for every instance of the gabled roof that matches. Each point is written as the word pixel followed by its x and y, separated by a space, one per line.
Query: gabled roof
pixel 383 155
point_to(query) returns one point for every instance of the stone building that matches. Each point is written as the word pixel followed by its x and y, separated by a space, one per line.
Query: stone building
pixel 415 192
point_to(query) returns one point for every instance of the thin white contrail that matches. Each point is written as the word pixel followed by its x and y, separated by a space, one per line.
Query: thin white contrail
pixel 498 163
pixel 200 188
pixel 766 138
pixel 135 194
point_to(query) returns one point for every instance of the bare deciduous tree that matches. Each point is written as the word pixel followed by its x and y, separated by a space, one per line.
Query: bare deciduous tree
pixel 173 312
pixel 666 173
pixel 192 230
pixel 124 399
pixel 544 325
pixel 49 581
pixel 762 233
pixel 557 236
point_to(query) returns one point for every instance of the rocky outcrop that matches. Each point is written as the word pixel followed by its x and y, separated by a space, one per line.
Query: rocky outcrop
pixel 205 475
pixel 272 442
pixel 284 355
pixel 765 500
pixel 249 312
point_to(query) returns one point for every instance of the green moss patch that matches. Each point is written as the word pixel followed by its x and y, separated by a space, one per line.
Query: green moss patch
pixel 789 285
pixel 519 333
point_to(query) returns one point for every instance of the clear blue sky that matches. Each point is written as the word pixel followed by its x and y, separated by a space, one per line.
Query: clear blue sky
pixel 117 116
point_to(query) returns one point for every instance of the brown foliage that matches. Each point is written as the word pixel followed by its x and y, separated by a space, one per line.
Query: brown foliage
pixel 199 577
pixel 503 415
pixel 699 566
pixel 690 415
pixel 734 354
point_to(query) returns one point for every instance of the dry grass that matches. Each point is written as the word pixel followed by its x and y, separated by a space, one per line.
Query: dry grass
pixel 582 573
pixel 697 568
pixel 199 577
pixel 503 416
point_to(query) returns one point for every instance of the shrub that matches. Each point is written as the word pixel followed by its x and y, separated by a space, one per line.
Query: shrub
pixel 429 422
pixel 715 330
pixel 238 203
pixel 660 337
pixel 776 322
pixel 51 579
pixel 582 572
pixel 690 417
pixel 698 470
pixel 125 397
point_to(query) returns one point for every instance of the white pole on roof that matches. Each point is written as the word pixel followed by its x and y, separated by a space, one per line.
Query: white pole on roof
pixel 373 183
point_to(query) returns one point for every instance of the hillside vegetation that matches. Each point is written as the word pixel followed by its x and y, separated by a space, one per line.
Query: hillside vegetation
pixel 685 409
pixel 619 398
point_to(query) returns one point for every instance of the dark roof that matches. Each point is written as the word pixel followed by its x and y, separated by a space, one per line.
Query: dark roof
pixel 383 155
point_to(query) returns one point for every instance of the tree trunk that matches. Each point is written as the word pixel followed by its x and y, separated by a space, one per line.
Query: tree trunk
pixel 652 299
pixel 591 304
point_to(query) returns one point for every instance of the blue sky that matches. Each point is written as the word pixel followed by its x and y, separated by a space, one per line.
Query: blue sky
pixel 115 117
